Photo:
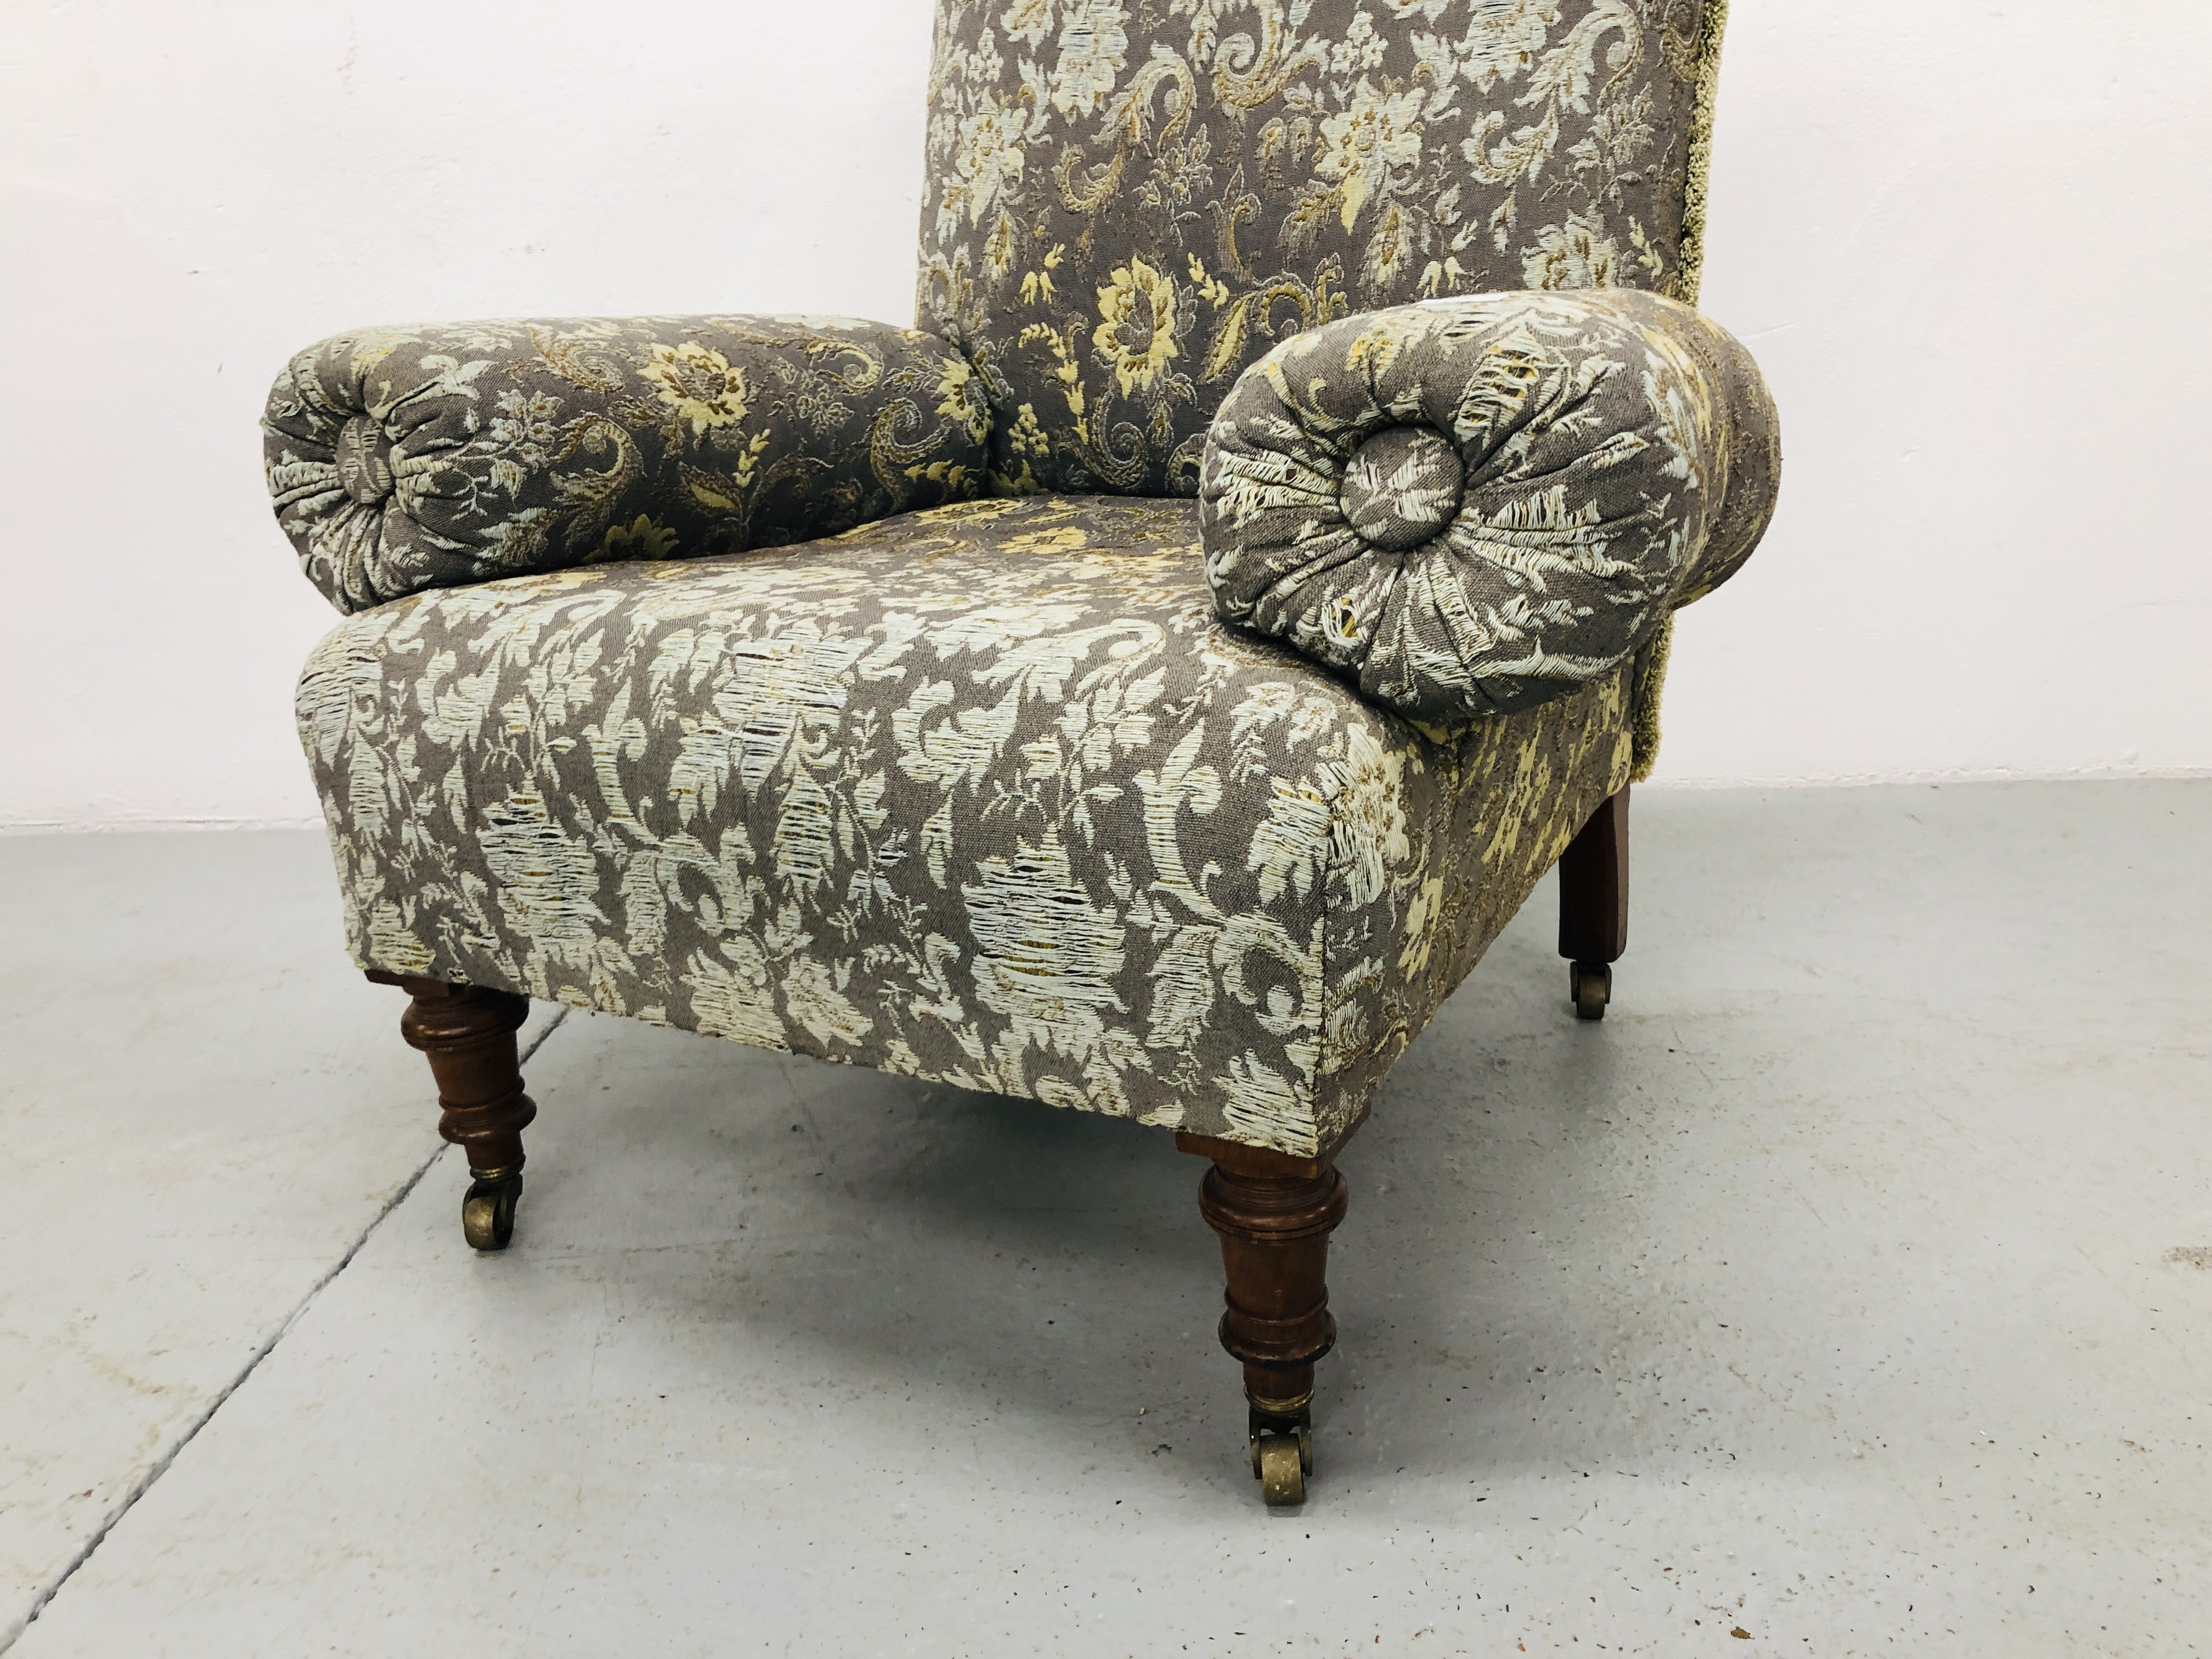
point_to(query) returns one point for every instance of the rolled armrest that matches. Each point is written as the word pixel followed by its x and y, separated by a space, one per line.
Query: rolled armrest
pixel 403 459
pixel 1476 505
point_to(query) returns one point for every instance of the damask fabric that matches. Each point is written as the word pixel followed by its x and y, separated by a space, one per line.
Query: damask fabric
pixel 1481 504
pixel 1130 200
pixel 985 794
pixel 405 458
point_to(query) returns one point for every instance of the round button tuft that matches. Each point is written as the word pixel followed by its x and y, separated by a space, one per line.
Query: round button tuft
pixel 364 460
pixel 1402 487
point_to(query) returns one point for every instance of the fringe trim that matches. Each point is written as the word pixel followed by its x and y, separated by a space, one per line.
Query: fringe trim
pixel 1689 273
pixel 1690 255
pixel 1644 713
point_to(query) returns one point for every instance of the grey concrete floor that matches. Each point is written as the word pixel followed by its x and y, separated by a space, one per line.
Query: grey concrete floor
pixel 1849 1288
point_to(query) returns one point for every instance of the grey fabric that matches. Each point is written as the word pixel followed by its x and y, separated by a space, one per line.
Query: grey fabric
pixel 1753 438
pixel 985 794
pixel 1476 505
pixel 1402 487
pixel 402 458
pixel 1129 201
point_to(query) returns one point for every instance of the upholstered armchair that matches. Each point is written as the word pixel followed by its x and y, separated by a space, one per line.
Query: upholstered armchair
pixel 1146 685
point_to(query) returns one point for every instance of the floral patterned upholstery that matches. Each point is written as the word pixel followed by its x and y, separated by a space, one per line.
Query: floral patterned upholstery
pixel 402 458
pixel 1129 201
pixel 987 794
pixel 683 677
pixel 1479 504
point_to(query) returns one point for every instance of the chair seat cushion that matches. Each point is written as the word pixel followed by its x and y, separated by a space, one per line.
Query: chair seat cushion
pixel 985 795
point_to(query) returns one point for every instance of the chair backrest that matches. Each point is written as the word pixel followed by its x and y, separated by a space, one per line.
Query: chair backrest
pixel 1130 200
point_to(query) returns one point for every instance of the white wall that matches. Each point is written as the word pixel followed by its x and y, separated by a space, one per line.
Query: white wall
pixel 1968 242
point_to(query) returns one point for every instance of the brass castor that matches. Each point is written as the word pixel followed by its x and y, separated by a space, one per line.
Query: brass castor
pixel 1590 986
pixel 1282 1449
pixel 487 1212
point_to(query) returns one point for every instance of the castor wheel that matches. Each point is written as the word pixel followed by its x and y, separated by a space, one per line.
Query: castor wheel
pixel 487 1212
pixel 1282 1470
pixel 1282 1452
pixel 1590 984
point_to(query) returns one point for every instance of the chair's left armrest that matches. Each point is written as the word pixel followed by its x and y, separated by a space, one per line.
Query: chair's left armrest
pixel 1476 505
pixel 405 458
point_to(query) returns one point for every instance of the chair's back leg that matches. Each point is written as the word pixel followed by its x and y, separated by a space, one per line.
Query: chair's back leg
pixel 467 1034
pixel 1593 905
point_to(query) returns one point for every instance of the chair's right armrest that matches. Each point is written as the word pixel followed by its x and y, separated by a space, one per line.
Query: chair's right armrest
pixel 405 458
pixel 1474 505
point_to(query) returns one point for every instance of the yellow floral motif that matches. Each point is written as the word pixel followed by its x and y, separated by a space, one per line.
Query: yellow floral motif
pixel 701 384
pixel 1421 919
pixel 1068 372
pixel 1576 254
pixel 566 442
pixel 960 398
pixel 1137 325
pixel 1037 284
pixel 1209 287
pixel 1272 162
pixel 641 540
pixel 954 478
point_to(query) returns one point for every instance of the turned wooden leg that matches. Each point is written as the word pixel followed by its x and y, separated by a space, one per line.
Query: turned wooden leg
pixel 467 1034
pixel 1274 1213
pixel 1593 905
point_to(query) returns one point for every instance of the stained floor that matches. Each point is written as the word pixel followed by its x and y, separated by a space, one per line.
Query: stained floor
pixel 1849 1290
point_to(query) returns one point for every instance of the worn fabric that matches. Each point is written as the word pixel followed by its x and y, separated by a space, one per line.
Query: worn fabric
pixel 1474 505
pixel 405 458
pixel 985 794
pixel 1128 201
pixel 1400 489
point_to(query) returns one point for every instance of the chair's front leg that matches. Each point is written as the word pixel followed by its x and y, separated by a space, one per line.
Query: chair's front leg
pixel 1593 905
pixel 1274 1214
pixel 467 1034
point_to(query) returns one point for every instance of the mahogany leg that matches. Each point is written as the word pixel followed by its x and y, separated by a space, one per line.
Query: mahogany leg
pixel 467 1034
pixel 1593 905
pixel 1274 1213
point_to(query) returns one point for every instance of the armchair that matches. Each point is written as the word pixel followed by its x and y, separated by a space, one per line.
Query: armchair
pixel 1147 685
